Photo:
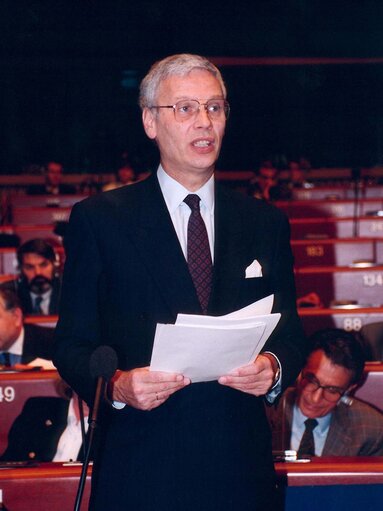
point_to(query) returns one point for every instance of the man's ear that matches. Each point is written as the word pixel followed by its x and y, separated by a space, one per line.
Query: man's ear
pixel 149 122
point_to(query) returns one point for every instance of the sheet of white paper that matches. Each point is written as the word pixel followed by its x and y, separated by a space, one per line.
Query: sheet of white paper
pixel 263 306
pixel 205 353
pixel 42 362
pixel 206 347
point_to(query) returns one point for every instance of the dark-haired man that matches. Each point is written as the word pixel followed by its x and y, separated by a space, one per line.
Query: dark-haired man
pixel 340 424
pixel 38 286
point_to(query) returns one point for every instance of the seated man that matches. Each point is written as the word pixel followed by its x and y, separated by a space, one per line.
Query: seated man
pixel 53 182
pixel 48 429
pixel 318 417
pixel 20 343
pixel 38 286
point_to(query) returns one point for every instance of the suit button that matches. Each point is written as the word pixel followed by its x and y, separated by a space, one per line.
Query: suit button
pixel 48 423
pixel 31 455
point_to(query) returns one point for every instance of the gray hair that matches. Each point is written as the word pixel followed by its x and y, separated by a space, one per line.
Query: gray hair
pixel 175 65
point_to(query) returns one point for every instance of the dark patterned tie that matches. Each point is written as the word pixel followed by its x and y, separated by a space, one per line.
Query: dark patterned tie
pixel 198 252
pixel 307 445
pixel 37 305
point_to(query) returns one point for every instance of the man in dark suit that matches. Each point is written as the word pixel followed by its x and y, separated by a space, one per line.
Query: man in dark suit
pixel 176 444
pixel 344 425
pixel 20 343
pixel 53 182
pixel 38 285
pixel 47 429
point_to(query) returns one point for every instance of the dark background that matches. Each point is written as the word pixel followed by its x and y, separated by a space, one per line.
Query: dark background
pixel 70 72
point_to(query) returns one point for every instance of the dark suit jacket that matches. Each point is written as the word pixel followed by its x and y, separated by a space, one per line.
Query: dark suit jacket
pixel 26 300
pixel 38 343
pixel 35 433
pixel 208 446
pixel 355 429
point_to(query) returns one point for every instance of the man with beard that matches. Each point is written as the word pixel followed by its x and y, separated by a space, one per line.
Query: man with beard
pixel 19 343
pixel 38 286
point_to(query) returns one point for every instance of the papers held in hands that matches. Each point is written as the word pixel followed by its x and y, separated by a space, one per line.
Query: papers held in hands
pixel 203 348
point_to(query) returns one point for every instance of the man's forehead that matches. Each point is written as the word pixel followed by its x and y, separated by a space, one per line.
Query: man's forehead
pixel 194 83
pixel 325 370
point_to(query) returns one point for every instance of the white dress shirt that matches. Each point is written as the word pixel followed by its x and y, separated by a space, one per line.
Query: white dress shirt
pixel 70 441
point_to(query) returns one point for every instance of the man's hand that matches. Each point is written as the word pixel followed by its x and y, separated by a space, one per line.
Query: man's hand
pixel 256 378
pixel 144 389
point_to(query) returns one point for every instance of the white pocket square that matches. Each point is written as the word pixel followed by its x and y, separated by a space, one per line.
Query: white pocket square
pixel 254 270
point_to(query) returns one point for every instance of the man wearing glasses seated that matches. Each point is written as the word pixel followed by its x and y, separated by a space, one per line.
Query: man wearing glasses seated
pixel 319 417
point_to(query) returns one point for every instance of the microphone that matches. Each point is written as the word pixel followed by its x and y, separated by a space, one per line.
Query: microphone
pixel 102 365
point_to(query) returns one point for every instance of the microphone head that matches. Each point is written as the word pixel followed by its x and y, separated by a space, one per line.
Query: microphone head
pixel 103 362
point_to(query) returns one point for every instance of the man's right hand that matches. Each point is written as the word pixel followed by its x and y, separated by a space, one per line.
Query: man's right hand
pixel 144 389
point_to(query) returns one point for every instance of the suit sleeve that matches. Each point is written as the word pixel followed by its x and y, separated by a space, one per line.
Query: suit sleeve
pixel 77 333
pixel 288 341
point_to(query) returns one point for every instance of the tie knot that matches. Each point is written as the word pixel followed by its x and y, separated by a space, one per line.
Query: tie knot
pixel 192 200
pixel 311 424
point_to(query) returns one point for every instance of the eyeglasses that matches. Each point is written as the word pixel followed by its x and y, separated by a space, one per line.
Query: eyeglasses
pixel 330 393
pixel 187 109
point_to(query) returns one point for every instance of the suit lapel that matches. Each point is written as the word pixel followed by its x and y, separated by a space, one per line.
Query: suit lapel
pixel 229 253
pixel 154 236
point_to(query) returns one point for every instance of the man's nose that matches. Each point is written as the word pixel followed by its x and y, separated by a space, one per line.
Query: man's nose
pixel 203 117
pixel 317 395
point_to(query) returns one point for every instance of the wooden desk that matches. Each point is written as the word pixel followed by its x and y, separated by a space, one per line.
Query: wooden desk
pixel 341 191
pixel 64 201
pixel 40 216
pixel 28 232
pixel 15 389
pixel 349 319
pixel 53 486
pixel 326 227
pixel 329 208
pixel 365 285
pixel 336 252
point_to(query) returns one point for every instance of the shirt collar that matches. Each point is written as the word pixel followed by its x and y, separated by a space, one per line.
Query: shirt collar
pixel 17 346
pixel 174 193
pixel 323 422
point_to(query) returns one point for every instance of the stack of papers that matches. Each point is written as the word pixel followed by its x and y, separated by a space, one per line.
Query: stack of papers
pixel 203 348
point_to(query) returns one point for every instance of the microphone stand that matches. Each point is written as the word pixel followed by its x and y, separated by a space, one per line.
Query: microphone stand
pixel 103 364
pixel 100 389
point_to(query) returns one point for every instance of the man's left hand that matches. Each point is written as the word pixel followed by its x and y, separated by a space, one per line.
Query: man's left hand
pixel 256 378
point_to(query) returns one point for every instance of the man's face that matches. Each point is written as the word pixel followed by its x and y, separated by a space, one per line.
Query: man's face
pixel 267 177
pixel 38 271
pixel 10 326
pixel 320 369
pixel 54 173
pixel 190 148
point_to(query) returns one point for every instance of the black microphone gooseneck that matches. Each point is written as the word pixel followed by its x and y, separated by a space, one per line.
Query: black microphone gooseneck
pixel 102 365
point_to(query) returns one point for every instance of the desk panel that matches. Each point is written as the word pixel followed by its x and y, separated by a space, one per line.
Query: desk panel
pixel 15 389
pixel 348 319
pixel 365 285
pixel 64 201
pixel 333 483
pixel 329 208
pixel 326 227
pixel 335 252
pixel 40 216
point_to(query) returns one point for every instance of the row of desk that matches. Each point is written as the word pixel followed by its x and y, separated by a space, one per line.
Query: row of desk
pixel 322 483
pixel 17 387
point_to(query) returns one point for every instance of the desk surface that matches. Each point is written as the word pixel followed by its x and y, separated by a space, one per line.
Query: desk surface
pixel 53 485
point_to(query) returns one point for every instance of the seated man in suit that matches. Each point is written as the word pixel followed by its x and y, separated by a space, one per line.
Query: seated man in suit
pixel 318 417
pixel 48 429
pixel 20 343
pixel 38 285
pixel 53 185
